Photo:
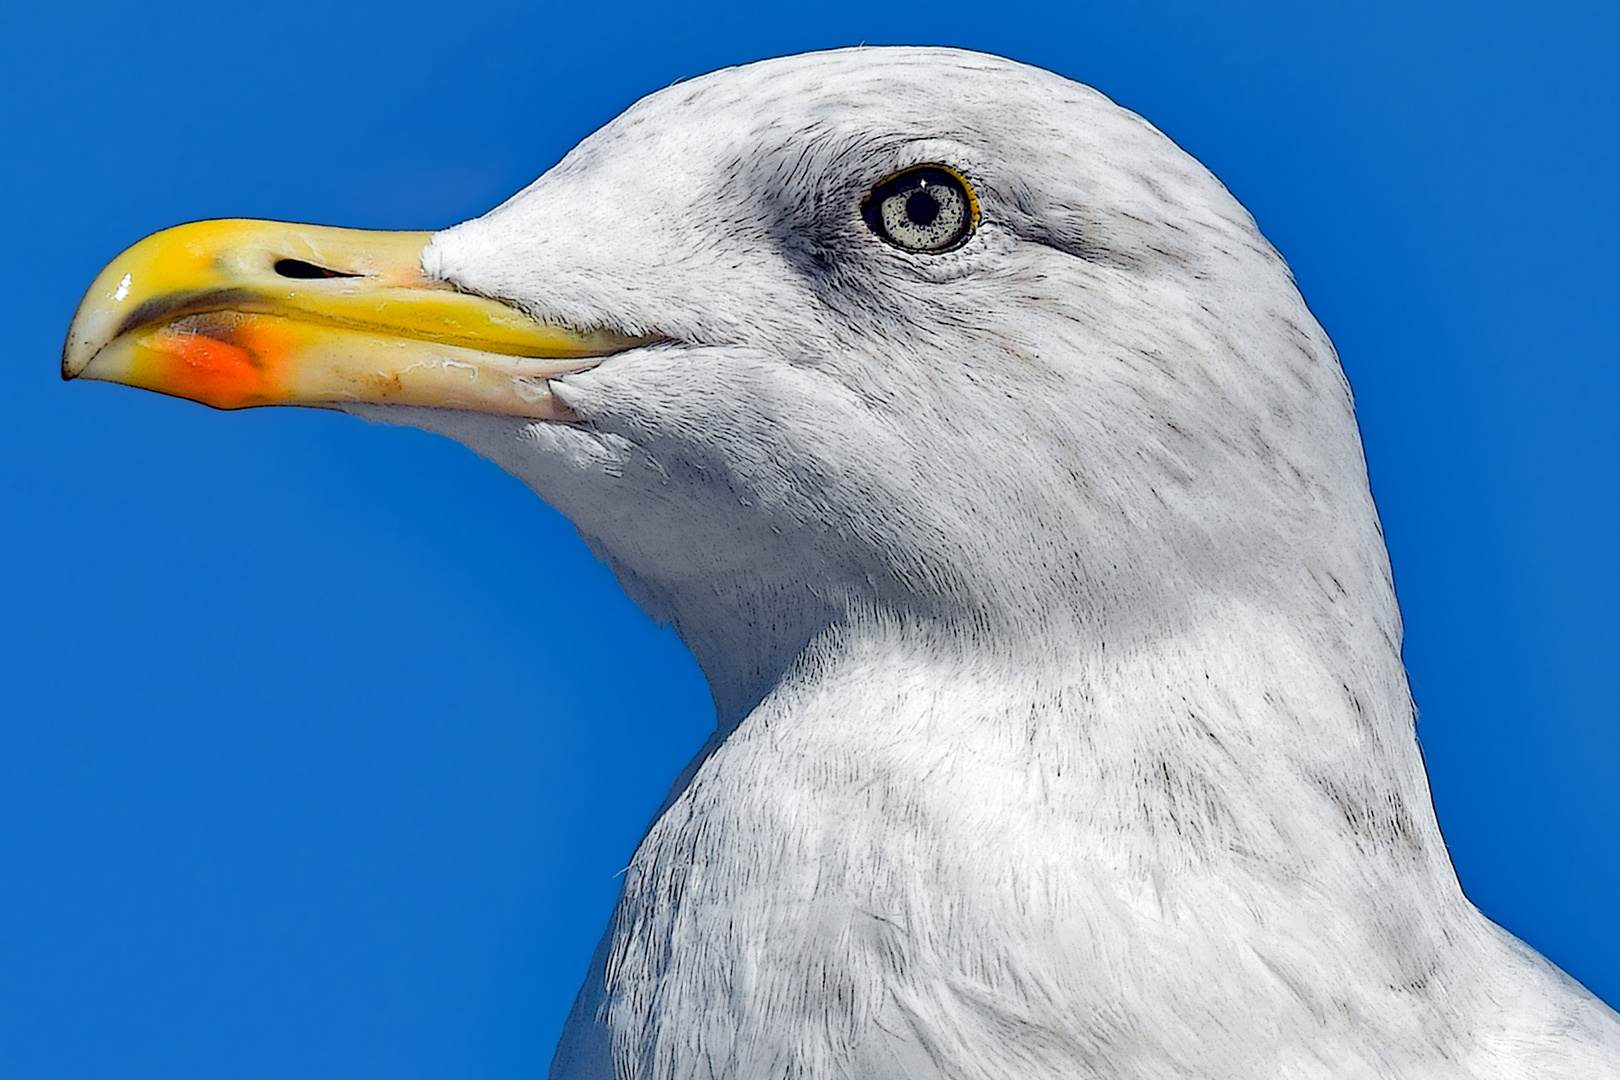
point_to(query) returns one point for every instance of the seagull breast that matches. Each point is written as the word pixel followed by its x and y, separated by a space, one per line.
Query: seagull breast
pixel 988 460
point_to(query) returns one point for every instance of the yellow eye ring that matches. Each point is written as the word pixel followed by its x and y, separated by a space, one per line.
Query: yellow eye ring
pixel 926 209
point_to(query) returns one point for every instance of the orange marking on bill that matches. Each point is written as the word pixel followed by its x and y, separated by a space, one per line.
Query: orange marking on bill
pixel 221 362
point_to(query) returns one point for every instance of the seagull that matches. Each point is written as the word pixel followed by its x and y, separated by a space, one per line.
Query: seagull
pixel 989 462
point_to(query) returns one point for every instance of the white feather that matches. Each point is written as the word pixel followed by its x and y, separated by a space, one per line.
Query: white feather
pixel 1063 730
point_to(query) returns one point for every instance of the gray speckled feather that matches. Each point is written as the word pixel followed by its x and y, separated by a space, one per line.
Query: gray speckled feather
pixel 1063 730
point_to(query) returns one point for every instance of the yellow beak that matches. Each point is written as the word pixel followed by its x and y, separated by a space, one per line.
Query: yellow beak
pixel 240 313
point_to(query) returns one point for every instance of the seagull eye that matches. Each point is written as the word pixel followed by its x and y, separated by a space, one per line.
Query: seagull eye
pixel 927 209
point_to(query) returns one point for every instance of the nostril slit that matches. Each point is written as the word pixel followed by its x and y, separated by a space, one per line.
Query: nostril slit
pixel 298 268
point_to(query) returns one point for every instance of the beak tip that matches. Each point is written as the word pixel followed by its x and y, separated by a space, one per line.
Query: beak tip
pixel 75 358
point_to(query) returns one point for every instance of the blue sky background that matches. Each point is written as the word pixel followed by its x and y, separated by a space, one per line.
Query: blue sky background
pixel 322 743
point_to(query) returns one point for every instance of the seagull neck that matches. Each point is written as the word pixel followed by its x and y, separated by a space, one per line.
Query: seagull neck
pixel 907 811
pixel 1187 743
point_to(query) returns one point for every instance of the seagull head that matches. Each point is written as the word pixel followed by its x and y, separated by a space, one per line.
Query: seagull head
pixel 991 465
pixel 913 334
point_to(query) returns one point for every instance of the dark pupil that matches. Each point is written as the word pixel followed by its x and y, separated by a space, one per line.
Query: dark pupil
pixel 921 207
